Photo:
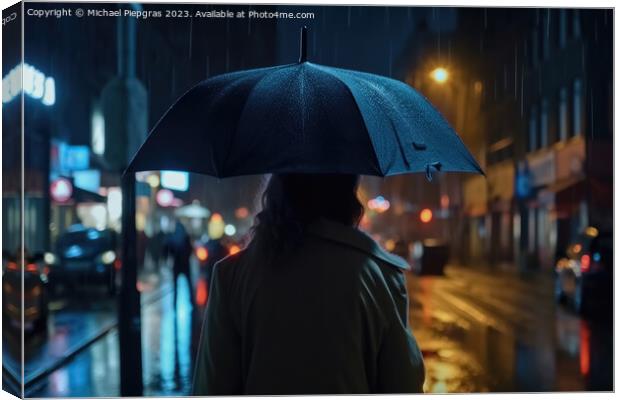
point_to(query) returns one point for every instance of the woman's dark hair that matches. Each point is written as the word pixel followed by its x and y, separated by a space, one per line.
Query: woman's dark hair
pixel 291 202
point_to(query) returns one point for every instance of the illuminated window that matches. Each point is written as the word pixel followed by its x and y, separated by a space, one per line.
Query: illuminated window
pixel 578 108
pixel 563 114
pixel 544 124
pixel 533 133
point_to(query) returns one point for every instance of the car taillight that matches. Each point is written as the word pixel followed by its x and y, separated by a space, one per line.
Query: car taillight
pixel 202 254
pixel 12 266
pixel 585 263
pixel 32 267
pixel 117 264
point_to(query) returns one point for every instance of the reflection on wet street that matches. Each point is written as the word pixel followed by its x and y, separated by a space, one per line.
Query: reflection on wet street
pixel 169 339
pixel 482 331
pixel 93 372
pixel 479 331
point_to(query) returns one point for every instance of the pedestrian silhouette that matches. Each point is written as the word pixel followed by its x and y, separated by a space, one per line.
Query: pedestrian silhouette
pixel 312 305
pixel 179 246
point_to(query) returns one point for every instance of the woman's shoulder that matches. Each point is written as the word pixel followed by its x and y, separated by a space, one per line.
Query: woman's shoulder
pixel 231 260
pixel 358 242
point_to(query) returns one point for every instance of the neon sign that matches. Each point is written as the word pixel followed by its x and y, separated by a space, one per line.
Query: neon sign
pixel 35 85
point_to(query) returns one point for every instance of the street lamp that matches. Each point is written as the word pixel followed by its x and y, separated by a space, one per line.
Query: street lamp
pixel 440 75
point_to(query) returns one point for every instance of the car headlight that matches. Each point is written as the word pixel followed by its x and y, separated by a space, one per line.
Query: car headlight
pixel 49 258
pixel 108 257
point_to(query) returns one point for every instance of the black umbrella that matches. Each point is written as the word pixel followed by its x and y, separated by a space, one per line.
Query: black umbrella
pixel 304 118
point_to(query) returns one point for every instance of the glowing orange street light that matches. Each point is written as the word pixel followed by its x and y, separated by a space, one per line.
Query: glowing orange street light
pixel 440 75
pixel 426 215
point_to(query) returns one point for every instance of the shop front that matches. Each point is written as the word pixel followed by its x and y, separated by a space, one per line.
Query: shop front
pixel 569 190
pixel 501 178
pixel 476 237
pixel 539 215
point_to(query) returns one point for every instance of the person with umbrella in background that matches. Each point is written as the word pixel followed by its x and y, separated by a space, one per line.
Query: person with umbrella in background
pixel 178 245
pixel 312 304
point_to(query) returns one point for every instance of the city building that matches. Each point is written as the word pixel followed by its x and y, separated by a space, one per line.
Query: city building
pixel 72 148
pixel 537 116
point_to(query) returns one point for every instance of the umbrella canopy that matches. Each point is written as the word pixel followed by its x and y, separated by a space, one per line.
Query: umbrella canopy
pixel 194 210
pixel 303 118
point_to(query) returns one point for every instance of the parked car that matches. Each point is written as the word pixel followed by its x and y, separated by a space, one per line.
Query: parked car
pixel 584 276
pixel 430 257
pixel 35 294
pixel 85 256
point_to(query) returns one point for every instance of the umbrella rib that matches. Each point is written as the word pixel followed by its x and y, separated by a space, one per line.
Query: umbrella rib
pixel 131 167
pixel 398 135
pixel 462 149
pixel 381 106
pixel 327 71
pixel 211 81
pixel 418 145
pixel 245 105
pixel 221 95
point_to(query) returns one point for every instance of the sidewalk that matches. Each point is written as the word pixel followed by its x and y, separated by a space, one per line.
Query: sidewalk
pixel 169 341
pixel 70 331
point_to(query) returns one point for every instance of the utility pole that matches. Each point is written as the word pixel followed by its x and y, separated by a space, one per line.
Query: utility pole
pixel 125 109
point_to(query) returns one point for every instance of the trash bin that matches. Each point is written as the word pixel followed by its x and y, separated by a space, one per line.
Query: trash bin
pixel 434 257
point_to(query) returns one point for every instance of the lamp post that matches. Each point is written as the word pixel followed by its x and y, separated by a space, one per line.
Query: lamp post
pixel 124 101
pixel 450 89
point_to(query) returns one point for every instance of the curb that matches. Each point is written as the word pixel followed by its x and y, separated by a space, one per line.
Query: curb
pixel 34 378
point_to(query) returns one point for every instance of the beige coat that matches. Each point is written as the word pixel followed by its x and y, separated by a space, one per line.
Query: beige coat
pixel 332 319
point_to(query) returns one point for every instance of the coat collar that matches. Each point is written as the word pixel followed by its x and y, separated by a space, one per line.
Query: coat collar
pixel 353 237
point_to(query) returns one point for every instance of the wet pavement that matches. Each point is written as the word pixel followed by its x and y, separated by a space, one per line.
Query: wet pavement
pixel 169 342
pixel 479 331
pixel 494 331
pixel 78 321
pixel 169 338
pixel 72 326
